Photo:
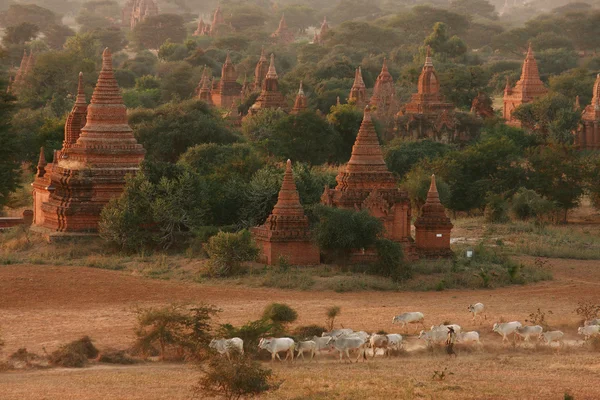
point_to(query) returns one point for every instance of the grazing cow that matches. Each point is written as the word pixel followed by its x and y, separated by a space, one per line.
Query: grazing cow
pixel 337 332
pixel 433 337
pixel 309 346
pixel 275 345
pixel 444 328
pixel 228 346
pixel 589 331
pixel 409 318
pixel 344 344
pixel 527 331
pixel 468 337
pixel 506 328
pixel 552 336
pixel 379 342
pixel 394 341
pixel 476 309
pixel 595 321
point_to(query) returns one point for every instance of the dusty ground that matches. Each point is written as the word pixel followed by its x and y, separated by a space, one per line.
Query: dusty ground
pixel 43 306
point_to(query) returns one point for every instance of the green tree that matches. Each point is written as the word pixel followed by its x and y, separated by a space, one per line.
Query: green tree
pixel 165 327
pixel 18 13
pixel 573 83
pixel 481 8
pixel 56 35
pixel 339 231
pixel 558 173
pixel 279 313
pixel 9 163
pixel 440 42
pixel 154 31
pixel 401 155
pixel 169 130
pixel 227 252
pixel 299 16
pixel 18 34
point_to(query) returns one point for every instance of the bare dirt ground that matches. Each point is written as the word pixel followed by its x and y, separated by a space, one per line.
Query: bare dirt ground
pixel 44 306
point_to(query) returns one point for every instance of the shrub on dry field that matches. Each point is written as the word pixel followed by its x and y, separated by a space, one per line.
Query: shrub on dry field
pixel 280 313
pixel 112 356
pixel 587 310
pixel 331 313
pixel 307 332
pixel 232 380
pixel 227 252
pixel 74 354
pixel 22 359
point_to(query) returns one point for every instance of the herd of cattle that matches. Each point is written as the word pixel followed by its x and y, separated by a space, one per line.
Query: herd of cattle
pixel 345 340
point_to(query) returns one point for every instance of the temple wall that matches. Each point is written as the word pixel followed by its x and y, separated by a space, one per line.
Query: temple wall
pixel 296 253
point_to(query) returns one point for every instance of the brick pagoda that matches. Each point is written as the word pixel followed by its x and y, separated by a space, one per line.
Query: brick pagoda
pixel 366 184
pixel 202 29
pixel 588 135
pixel 301 102
pixel 528 88
pixel 204 87
pixel 227 91
pixel 358 92
pixel 270 96
pixel 319 37
pixel 433 227
pixel 261 70
pixel 286 232
pixel 217 21
pixel 283 34
pixel 88 173
pixel 383 99
pixel 23 72
pixel 427 115
pixel 135 11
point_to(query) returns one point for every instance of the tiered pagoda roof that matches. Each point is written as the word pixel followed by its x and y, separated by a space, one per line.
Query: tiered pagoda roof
pixel 301 103
pixel 358 92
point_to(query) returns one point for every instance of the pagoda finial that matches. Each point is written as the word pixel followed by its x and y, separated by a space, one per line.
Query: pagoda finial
pixel 507 88
pixel 367 113
pixel 262 54
pixel 106 59
pixel 530 51
pixel 272 73
pixel 384 67
pixel 428 61
pixel 80 92
pixel 433 197
pixel 337 101
pixel 227 58
pixel 300 91
pixel 41 166
pixel 577 103
pixel 288 166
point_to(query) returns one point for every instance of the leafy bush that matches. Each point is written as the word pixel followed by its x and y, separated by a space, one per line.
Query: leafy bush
pixel 528 204
pixel 74 354
pixel 390 261
pixel 227 252
pixel 496 209
pixel 250 333
pixel 341 231
pixel 308 331
pixel 332 313
pixel 116 357
pixel 241 377
pixel 280 313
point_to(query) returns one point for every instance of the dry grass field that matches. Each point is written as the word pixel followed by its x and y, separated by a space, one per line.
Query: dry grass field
pixel 43 306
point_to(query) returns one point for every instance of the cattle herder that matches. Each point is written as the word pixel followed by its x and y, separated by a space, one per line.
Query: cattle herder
pixel 450 340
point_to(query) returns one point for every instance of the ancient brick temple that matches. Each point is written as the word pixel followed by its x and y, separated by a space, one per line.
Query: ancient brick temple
pixel 319 37
pixel 301 103
pixel 136 11
pixel 23 72
pixel 261 70
pixel 217 22
pixel 433 227
pixel 588 134
pixel 383 99
pixel 227 90
pixel 204 88
pixel 283 34
pixel 427 114
pixel 202 29
pixel 366 184
pixel 286 232
pixel 86 174
pixel 358 92
pixel 270 96
pixel 527 89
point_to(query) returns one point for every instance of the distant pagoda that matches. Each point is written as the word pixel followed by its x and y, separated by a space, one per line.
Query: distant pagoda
pixel 270 96
pixel 588 135
pixel 301 103
pixel 433 227
pixel 358 92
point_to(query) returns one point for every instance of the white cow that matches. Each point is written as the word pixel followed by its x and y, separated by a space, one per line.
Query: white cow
pixel 506 328
pixel 595 321
pixel 527 331
pixel 468 337
pixel 552 336
pixel 433 337
pixel 337 332
pixel 275 345
pixel 476 309
pixel 344 344
pixel 589 331
pixel 409 318
pixel 309 345
pixel 361 334
pixel 394 341
pixel 322 343
pixel 444 328
pixel 228 346
pixel 377 341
